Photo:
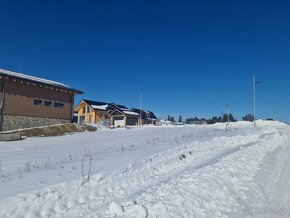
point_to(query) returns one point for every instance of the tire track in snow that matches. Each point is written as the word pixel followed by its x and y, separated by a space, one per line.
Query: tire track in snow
pixel 74 200
pixel 191 165
pixel 187 174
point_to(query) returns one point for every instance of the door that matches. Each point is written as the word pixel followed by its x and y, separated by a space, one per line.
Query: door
pixel 119 123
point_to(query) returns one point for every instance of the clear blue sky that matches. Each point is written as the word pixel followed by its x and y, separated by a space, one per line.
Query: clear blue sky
pixel 190 58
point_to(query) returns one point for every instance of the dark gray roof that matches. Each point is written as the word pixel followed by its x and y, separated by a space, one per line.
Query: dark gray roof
pixel 145 114
pixel 99 103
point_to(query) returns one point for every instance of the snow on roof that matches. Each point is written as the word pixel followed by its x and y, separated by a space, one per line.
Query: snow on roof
pixel 100 107
pixel 130 113
pixel 28 77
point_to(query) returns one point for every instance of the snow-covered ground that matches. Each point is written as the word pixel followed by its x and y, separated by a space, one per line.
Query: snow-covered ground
pixel 172 171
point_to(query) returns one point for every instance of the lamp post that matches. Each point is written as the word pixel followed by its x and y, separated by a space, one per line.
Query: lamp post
pixel 228 122
pixel 254 90
pixel 141 96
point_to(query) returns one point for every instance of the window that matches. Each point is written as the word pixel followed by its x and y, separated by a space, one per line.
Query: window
pixel 84 110
pixel 48 103
pixel 37 102
pixel 58 105
pixel 88 109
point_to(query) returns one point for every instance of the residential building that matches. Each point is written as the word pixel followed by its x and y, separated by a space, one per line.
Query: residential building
pixel 95 111
pixel 148 117
pixel 28 101
pixel 125 117
pixel 88 111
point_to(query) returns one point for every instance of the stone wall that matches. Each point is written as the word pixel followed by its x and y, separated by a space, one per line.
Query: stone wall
pixel 11 122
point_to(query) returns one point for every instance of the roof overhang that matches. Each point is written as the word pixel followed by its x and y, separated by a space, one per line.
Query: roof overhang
pixel 39 84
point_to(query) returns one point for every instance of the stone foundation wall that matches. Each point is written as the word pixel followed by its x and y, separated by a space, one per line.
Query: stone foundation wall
pixel 11 122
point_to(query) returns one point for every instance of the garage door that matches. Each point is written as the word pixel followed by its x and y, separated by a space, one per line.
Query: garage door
pixel 119 123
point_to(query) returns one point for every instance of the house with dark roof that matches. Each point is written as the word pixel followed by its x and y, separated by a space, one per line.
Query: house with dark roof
pixel 95 111
pixel 27 101
pixel 124 117
pixel 147 117
pixel 131 117
pixel 112 114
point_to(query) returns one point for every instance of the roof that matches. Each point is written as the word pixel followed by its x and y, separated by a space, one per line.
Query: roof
pixel 24 77
pixel 149 115
pixel 126 112
pixel 98 105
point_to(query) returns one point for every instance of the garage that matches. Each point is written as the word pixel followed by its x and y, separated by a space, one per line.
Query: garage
pixel 131 121
pixel 122 118
pixel 119 122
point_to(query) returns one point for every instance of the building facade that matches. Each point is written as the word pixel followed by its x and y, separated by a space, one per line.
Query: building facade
pixel 27 101
pixel 94 111
pixel 88 111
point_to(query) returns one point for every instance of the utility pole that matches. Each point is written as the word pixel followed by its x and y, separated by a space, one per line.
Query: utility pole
pixel 254 92
pixel 254 88
pixel 227 125
pixel 141 96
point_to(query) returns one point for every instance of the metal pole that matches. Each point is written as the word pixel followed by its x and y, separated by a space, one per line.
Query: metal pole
pixel 141 108
pixel 254 88
pixel 227 125
pixel 228 113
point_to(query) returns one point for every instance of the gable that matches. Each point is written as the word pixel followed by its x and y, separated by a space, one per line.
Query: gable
pixel 117 113
pixel 80 105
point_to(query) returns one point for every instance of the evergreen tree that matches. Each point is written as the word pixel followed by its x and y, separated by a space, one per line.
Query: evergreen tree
pixel 248 117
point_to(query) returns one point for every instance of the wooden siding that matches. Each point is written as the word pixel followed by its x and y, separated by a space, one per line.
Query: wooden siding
pixel 19 100
pixel 91 116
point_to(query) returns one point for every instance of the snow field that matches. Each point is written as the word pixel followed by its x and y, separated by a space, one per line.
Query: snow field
pixel 193 179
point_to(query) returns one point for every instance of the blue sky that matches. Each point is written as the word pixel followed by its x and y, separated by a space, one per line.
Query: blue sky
pixel 190 58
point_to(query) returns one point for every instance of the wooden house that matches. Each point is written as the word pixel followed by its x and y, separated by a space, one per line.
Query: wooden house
pixel 95 111
pixel 111 114
pixel 28 101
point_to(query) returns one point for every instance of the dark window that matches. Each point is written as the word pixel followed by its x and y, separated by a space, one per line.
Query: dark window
pixel 37 102
pixel 84 110
pixel 58 105
pixel 82 119
pixel 48 103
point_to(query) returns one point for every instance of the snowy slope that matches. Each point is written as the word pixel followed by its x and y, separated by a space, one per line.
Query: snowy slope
pixel 200 171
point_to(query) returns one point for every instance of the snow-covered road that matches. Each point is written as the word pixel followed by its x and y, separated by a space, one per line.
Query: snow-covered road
pixel 154 172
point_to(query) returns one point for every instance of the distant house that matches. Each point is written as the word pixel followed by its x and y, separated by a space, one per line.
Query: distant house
pixel 95 111
pixel 163 122
pixel 28 101
pixel 198 122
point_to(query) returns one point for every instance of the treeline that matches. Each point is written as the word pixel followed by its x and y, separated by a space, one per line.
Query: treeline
pixel 215 119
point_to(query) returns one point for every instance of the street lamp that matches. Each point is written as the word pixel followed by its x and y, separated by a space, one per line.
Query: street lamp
pixel 254 88
pixel 227 125
pixel 141 96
